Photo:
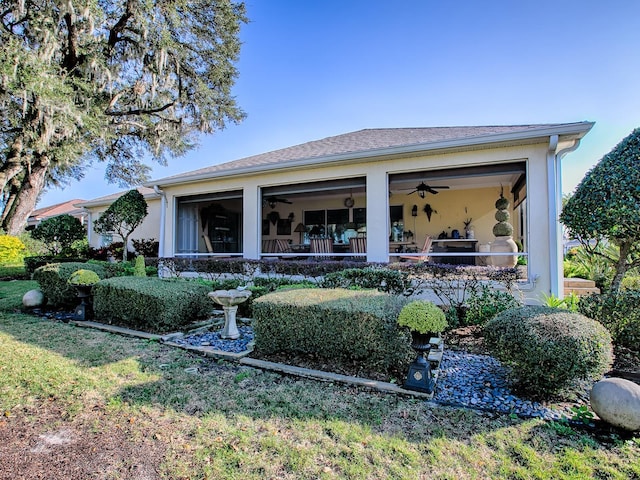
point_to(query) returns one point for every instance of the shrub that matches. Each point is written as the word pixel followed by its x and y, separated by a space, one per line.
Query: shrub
pixel 83 277
pixel 146 247
pixel 344 325
pixel 139 270
pixel 150 304
pixel 53 279
pixel 619 313
pixel 59 233
pixel 549 349
pixel 422 316
pixel 11 249
pixel 382 279
pixel 485 303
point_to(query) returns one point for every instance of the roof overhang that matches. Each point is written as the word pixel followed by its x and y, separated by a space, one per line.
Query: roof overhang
pixel 565 132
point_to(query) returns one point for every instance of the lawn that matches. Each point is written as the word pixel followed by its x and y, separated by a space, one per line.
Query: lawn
pixel 79 403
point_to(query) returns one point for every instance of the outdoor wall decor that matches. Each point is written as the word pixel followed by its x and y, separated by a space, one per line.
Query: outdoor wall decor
pixel 284 226
pixel 273 217
pixel 428 210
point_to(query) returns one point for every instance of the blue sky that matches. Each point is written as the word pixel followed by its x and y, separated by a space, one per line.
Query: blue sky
pixel 313 69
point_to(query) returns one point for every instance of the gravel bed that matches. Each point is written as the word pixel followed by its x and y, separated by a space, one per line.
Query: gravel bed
pixel 465 379
pixel 480 382
pixel 213 340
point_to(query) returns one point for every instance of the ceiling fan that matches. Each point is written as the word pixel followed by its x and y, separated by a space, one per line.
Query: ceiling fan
pixel 273 201
pixel 423 188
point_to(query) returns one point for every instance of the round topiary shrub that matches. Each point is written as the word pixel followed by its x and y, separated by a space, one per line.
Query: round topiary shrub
pixel 423 317
pixel 83 278
pixel 549 349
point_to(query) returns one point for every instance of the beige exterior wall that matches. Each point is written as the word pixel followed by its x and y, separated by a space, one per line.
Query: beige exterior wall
pixel 452 206
pixel 150 227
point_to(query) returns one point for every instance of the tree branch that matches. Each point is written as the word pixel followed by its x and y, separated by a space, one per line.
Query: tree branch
pixel 140 111
pixel 120 25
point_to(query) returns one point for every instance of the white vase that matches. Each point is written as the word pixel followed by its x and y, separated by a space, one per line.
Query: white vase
pixel 504 245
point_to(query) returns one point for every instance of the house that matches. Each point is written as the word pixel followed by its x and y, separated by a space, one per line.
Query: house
pixel 394 186
pixel 67 207
pixel 149 229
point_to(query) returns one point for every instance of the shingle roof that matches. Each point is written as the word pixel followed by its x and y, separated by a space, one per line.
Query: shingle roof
pixel 362 141
pixel 108 199
pixel 57 209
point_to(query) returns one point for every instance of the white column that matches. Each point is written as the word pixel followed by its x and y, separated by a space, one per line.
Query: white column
pixel 377 216
pixel 251 222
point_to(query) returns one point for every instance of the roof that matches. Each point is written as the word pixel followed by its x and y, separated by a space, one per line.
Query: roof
pixel 147 192
pixel 67 207
pixel 370 143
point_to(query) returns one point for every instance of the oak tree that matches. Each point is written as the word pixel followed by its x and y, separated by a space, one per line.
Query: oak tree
pixel 84 81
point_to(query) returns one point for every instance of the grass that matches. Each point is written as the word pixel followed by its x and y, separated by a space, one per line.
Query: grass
pixel 228 422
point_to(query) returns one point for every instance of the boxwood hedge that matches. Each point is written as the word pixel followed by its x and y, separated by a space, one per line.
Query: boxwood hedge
pixel 150 304
pixel 340 324
pixel 549 349
pixel 53 277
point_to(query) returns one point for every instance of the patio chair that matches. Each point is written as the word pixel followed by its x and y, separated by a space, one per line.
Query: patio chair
pixel 358 245
pixel 419 258
pixel 282 246
pixel 321 245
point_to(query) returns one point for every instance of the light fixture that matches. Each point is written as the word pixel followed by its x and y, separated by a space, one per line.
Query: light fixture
pixel 414 211
pixel 420 193
pixel 272 203
pixel 300 228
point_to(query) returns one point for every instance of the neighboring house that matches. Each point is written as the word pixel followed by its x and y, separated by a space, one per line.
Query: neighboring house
pixel 148 230
pixel 366 182
pixel 67 207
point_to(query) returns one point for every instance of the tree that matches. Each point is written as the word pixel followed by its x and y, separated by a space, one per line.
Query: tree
pixel 96 80
pixel 59 233
pixel 606 206
pixel 123 216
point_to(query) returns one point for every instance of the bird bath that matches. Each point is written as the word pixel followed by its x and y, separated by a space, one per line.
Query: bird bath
pixel 230 299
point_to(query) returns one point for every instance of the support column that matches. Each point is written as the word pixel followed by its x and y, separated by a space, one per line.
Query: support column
pixel 251 222
pixel 377 216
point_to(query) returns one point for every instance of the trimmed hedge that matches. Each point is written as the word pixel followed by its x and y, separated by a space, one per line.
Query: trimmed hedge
pixel 53 278
pixel 150 304
pixel 345 325
pixel 382 279
pixel 31 264
pixel 549 349
pixel 620 313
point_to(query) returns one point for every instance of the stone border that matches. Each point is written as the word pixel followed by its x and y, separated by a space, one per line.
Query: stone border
pixel 243 359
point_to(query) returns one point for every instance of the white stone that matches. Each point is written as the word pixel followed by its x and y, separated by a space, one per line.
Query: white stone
pixel 617 401
pixel 33 298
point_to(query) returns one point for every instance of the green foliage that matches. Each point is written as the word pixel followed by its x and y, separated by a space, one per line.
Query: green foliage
pixel 123 216
pixel 146 247
pixel 83 277
pixel 592 264
pixel 33 247
pixel 549 349
pixel 109 82
pixel 485 303
pixel 619 312
pixel 606 204
pixel 344 325
pixel 150 304
pixel 503 228
pixel 53 280
pixel 382 279
pixel 139 270
pixel 33 263
pixel 11 249
pixel 422 316
pixel 569 302
pixel 59 233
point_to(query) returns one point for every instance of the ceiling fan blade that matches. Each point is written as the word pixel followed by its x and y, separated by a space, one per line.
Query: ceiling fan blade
pixel 431 190
pixel 412 192
pixel 439 186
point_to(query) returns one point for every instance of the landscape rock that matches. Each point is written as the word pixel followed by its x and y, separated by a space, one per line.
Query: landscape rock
pixel 33 298
pixel 617 401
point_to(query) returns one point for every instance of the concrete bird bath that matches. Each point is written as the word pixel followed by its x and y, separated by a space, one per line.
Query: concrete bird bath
pixel 230 299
